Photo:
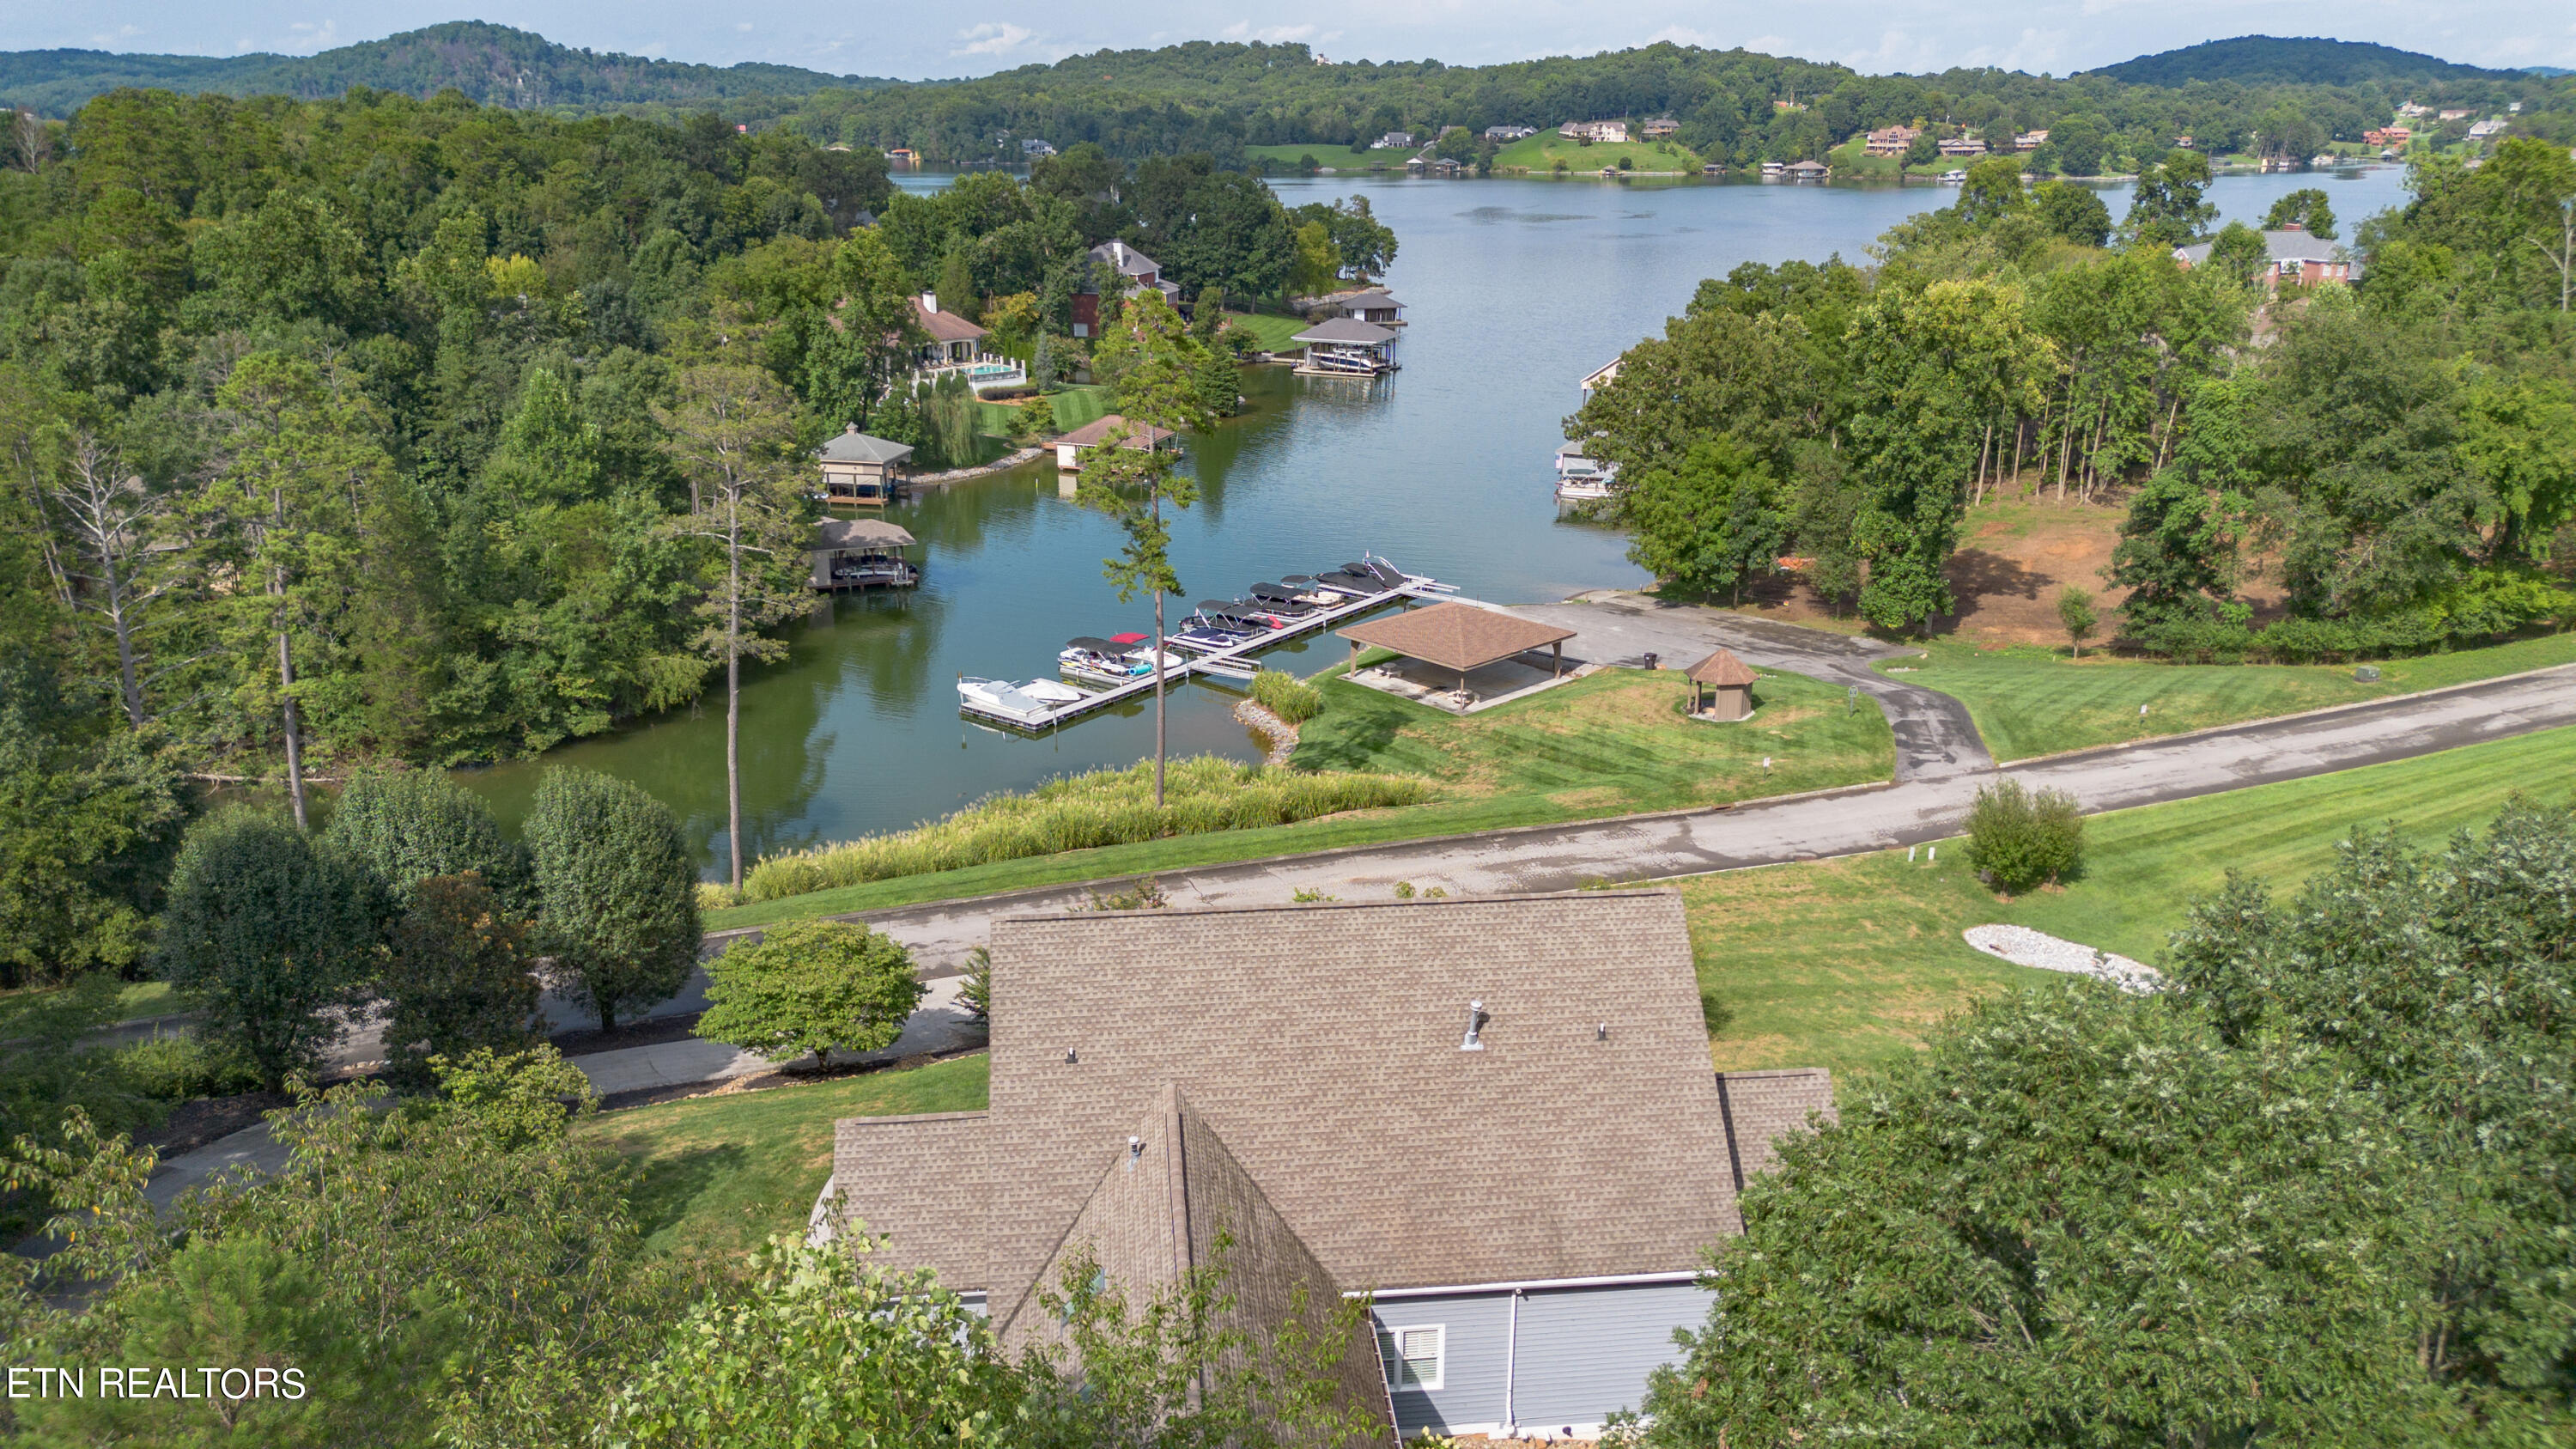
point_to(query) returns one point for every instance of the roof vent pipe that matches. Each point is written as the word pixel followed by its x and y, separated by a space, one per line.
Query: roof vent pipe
pixel 1476 1020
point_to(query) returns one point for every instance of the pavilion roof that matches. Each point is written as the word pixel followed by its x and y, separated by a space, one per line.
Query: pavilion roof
pixel 1453 635
pixel 1722 669
pixel 1345 329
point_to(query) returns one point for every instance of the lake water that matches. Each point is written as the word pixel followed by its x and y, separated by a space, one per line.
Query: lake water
pixel 1514 291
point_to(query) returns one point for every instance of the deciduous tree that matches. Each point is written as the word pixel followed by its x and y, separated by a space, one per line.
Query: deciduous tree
pixel 811 987
pixel 617 902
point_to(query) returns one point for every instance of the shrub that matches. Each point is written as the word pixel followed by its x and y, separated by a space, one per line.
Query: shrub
pixel 811 987
pixel 1078 812
pixel 463 976
pixel 2018 840
pixel 412 825
pixel 179 1068
pixel 617 902
pixel 1287 696
pixel 265 934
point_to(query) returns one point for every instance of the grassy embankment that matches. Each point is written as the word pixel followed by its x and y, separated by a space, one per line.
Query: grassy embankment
pixel 1073 406
pixel 1843 963
pixel 1329 156
pixel 1273 330
pixel 1836 963
pixel 719 1173
pixel 1610 744
pixel 1538 155
pixel 2035 702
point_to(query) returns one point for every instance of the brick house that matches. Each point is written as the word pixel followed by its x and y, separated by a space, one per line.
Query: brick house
pixel 1136 271
pixel 1494 1117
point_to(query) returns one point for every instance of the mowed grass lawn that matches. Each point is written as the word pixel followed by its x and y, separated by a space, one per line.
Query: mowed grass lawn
pixel 1612 743
pixel 1274 331
pixel 1843 963
pixel 719 1174
pixel 1539 154
pixel 2032 702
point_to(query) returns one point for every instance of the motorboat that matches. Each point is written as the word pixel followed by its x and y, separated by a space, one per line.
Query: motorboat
pixel 1379 569
pixel 1306 591
pixel 1201 634
pixel 1259 611
pixel 1234 616
pixel 1585 488
pixel 1144 661
pixel 1352 582
pixel 1281 600
pixel 1102 661
pixel 1026 702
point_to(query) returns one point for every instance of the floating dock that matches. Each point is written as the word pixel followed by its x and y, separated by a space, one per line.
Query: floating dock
pixel 1415 586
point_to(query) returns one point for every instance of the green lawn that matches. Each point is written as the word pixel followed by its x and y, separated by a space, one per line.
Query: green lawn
pixel 1077 405
pixel 1611 744
pixel 1274 331
pixel 2035 702
pixel 1539 154
pixel 1330 155
pixel 137 1000
pixel 1843 963
pixel 718 1174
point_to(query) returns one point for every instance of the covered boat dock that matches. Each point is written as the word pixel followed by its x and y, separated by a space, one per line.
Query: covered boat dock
pixel 1346 347
pixel 862 553
pixel 862 471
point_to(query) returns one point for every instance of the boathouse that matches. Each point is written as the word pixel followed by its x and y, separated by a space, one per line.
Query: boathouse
pixel 1140 437
pixel 1494 1116
pixel 862 471
pixel 862 553
pixel 1732 681
pixel 1374 305
pixel 1346 347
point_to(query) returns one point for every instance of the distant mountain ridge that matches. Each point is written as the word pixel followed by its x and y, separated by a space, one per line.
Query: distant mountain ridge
pixel 492 64
pixel 2308 60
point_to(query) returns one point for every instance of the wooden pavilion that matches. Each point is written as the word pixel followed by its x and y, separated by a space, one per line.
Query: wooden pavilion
pixel 860 470
pixel 1459 637
pixel 1732 680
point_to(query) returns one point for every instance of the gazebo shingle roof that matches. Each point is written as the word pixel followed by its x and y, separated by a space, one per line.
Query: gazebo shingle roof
pixel 853 446
pixel 1455 636
pixel 861 532
pixel 1092 434
pixel 1722 669
pixel 1346 330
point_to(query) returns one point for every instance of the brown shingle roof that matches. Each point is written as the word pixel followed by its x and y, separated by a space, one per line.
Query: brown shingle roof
pixel 1322 1044
pixel 1722 669
pixel 944 325
pixel 1763 1106
pixel 1345 329
pixel 920 1180
pixel 1454 635
pixel 1092 434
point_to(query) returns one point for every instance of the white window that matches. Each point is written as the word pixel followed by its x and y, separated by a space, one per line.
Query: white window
pixel 1414 1356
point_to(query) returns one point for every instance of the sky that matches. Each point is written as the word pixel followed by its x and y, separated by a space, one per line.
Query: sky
pixel 976 37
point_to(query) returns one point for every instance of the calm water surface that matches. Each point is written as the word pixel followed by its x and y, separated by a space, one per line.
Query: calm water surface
pixel 1514 291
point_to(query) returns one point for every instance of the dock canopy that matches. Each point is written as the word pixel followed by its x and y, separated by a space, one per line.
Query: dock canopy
pixel 1092 434
pixel 849 533
pixel 1347 331
pixel 853 446
pixel 1457 636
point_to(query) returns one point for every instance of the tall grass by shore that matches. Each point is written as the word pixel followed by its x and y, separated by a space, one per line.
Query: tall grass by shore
pixel 1101 807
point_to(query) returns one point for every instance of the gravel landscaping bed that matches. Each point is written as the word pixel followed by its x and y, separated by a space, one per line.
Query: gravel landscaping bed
pixel 2023 946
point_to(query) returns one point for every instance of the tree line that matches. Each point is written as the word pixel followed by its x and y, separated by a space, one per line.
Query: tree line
pixel 1733 106
pixel 2398 454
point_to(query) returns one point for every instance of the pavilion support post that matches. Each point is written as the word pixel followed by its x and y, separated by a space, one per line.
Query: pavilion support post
pixel 1556 653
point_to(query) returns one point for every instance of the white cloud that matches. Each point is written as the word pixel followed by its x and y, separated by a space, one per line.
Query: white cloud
pixel 1684 35
pixel 993 37
pixel 108 39
pixel 1274 34
pixel 309 37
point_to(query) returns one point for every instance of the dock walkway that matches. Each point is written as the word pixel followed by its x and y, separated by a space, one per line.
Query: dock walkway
pixel 1415 586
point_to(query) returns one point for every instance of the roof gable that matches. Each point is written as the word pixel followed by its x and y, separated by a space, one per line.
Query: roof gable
pixel 853 446
pixel 1345 329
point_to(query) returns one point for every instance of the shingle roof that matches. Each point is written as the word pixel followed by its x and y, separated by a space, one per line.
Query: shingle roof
pixel 1345 329
pixel 1092 434
pixel 1722 669
pixel 944 325
pixel 1129 261
pixel 853 446
pixel 1454 635
pixel 921 1180
pixel 1761 1107
pixel 857 532
pixel 2283 245
pixel 1321 1043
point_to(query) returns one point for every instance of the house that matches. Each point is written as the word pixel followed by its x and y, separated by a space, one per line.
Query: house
pixel 1806 170
pixel 1604 375
pixel 1346 347
pixel 2295 255
pixel 1032 148
pixel 2030 140
pixel 2412 109
pixel 2484 129
pixel 1394 139
pixel 1963 146
pixel 2456 115
pixel 1141 437
pixel 1493 1116
pixel 1659 127
pixel 1890 140
pixel 1774 170
pixel 1606 132
pixel 1509 134
pixel 861 470
pixel 2389 136
pixel 1138 272
pixel 2182 143
pixel 953 339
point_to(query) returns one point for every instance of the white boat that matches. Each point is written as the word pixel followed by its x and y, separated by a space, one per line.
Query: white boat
pixel 1029 701
pixel 1584 490
pixel 1582 479
pixel 1953 178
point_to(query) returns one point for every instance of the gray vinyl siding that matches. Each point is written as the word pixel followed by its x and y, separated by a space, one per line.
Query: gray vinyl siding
pixel 1471 1385
pixel 1585 1352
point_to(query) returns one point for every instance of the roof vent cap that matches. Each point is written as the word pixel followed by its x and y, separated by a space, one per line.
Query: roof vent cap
pixel 1476 1019
pixel 1071 1056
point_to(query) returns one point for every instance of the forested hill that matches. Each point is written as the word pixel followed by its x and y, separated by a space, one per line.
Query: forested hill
pixel 492 64
pixel 2308 60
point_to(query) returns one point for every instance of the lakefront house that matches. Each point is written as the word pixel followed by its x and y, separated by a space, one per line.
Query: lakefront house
pixel 1492 1118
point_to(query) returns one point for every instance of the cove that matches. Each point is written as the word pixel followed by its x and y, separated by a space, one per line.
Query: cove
pixel 1514 289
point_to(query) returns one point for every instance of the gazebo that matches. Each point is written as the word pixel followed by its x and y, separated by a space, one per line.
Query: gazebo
pixel 1346 347
pixel 1459 637
pixel 1733 681
pixel 862 553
